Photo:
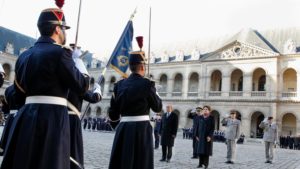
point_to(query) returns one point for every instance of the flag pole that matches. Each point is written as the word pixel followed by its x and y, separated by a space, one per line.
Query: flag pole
pixel 149 43
pixel 106 67
pixel 78 20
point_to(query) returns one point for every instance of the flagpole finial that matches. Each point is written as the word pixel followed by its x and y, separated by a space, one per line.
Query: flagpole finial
pixel 132 15
pixel 139 40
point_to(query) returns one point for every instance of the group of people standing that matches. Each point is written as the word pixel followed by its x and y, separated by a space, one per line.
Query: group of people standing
pixel 96 124
pixel 203 127
pixel 289 142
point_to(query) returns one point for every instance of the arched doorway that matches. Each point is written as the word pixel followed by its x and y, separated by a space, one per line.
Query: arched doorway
pixel 290 80
pixel 7 69
pixel 259 80
pixel 193 84
pixel 216 81
pixel 289 124
pixel 255 130
pixel 216 116
pixel 237 80
pixel 163 80
pixel 177 88
pixel 98 111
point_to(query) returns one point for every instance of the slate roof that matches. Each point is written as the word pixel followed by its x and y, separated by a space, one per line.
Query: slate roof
pixel 18 40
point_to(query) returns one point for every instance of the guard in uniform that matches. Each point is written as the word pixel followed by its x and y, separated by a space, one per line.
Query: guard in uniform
pixel 131 102
pixel 233 127
pixel 40 134
pixel 75 105
pixel 14 101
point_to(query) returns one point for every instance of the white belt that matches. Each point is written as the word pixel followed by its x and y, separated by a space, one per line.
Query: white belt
pixel 46 100
pixel 72 113
pixel 74 110
pixel 52 100
pixel 134 118
pixel 13 111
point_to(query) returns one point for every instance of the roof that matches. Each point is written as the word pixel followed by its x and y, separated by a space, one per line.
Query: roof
pixel 272 40
pixel 18 40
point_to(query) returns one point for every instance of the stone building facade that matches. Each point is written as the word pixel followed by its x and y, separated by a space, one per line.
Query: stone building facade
pixel 254 73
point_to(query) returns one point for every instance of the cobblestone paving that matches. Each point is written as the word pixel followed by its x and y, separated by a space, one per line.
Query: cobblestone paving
pixel 249 156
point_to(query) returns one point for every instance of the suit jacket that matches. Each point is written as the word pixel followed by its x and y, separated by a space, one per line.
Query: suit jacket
pixel 168 127
pixel 270 131
pixel 233 128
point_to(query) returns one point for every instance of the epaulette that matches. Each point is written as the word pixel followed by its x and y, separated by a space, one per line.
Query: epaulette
pixel 63 46
pixel 151 80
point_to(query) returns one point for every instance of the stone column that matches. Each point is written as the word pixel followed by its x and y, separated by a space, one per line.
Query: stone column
pixel 297 127
pixel 279 125
pixel 185 86
pixel 298 85
pixel 106 88
pixel 271 84
pixel 170 85
pixel 206 86
pixel 225 85
pixel 247 85
pixel 246 126
pixel 11 76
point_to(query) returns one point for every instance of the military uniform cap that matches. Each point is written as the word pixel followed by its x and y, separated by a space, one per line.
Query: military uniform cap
pixel 137 57
pixel 52 16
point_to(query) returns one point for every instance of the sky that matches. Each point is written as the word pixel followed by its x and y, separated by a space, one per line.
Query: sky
pixel 102 22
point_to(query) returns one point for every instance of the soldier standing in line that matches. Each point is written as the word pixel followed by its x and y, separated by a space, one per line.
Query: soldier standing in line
pixel 45 73
pixel 270 137
pixel 233 127
pixel 74 106
pixel 14 101
pixel 131 102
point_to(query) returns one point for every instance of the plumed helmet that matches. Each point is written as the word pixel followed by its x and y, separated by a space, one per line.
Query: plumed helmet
pixel 52 16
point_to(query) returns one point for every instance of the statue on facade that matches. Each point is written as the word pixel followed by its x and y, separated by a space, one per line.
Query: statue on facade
pixel 179 55
pixel 289 47
pixel 195 54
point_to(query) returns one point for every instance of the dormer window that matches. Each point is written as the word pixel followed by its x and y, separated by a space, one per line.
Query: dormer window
pixel 9 48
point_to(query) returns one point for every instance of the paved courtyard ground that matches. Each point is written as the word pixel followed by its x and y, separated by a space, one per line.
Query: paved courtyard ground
pixel 249 156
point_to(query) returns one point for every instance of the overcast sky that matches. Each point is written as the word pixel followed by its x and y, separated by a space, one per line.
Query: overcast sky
pixel 102 22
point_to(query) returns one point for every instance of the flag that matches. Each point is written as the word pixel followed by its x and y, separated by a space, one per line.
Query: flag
pixel 120 56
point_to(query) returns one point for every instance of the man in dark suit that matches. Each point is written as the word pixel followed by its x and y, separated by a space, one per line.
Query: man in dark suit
pixel 168 131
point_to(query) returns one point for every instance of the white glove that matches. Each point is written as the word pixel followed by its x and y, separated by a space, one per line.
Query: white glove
pixel 97 89
pixel 265 120
pixel 78 62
